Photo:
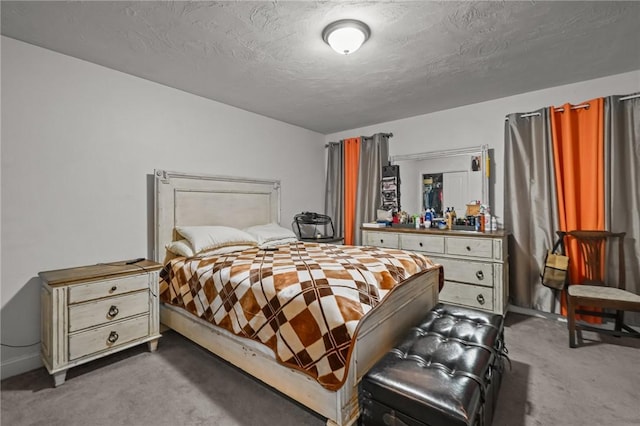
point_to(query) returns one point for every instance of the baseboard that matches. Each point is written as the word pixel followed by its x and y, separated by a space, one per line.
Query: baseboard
pixel 535 313
pixel 18 365
pixel 557 317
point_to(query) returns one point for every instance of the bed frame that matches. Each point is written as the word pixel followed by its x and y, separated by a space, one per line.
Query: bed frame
pixel 188 199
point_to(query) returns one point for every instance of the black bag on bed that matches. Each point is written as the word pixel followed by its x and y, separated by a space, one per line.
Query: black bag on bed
pixel 314 227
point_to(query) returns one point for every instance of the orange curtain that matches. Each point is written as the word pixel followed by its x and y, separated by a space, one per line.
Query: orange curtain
pixel 351 162
pixel 578 148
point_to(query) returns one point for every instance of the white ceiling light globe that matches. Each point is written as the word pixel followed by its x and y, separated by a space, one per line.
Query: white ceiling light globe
pixel 346 36
pixel 346 40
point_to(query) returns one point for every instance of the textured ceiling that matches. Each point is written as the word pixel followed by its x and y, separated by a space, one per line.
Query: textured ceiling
pixel 269 57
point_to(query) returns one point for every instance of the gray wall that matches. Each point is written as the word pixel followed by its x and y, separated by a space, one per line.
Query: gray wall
pixel 79 142
pixel 483 123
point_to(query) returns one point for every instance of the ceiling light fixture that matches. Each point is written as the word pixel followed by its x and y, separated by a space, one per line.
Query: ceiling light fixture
pixel 346 36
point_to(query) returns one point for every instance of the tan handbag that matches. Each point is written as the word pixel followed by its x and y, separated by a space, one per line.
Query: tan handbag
pixel 556 268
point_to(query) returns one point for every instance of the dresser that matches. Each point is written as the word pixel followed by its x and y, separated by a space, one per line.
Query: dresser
pixel 476 268
pixel 92 311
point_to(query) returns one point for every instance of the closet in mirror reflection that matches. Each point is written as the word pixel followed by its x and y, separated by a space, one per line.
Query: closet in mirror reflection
pixel 432 192
pixel 443 179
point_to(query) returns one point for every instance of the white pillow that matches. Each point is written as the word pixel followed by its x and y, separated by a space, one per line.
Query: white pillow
pixel 183 248
pixel 180 248
pixel 225 250
pixel 205 238
pixel 274 243
pixel 270 232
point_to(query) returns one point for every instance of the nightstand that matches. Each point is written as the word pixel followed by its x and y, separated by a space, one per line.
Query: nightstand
pixel 92 311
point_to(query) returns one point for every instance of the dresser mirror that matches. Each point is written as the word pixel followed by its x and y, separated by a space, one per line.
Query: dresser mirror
pixel 442 179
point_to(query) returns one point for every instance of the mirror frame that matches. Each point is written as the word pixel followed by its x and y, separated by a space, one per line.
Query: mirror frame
pixel 431 155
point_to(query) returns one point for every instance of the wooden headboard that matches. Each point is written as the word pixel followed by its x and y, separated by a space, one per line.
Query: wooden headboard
pixel 183 199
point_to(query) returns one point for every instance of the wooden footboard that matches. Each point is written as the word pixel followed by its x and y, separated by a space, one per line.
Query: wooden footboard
pixel 377 333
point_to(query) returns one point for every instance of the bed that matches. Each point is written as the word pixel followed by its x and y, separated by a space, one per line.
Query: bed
pixel 183 199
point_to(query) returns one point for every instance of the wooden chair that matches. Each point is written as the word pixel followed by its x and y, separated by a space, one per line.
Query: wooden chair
pixel 595 291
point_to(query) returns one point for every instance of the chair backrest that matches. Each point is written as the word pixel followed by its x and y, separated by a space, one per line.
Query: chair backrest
pixel 591 247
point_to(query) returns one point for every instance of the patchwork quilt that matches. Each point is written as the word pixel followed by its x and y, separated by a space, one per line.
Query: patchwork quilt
pixel 303 300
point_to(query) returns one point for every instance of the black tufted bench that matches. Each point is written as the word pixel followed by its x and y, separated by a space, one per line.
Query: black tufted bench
pixel 446 372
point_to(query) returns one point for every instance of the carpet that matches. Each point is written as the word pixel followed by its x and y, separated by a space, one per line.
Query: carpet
pixel 183 384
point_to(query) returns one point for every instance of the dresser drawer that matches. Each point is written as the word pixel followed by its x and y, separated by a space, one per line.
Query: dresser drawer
pixel 476 268
pixel 107 337
pixel 111 309
pixel 467 295
pixel 381 239
pixel 476 247
pixel 113 287
pixel 425 243
pixel 465 271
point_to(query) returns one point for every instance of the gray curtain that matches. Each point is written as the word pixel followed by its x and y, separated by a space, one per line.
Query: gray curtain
pixel 622 184
pixel 334 187
pixel 374 153
pixel 530 211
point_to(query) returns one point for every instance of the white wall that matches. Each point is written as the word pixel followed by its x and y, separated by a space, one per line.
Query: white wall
pixel 483 123
pixel 79 142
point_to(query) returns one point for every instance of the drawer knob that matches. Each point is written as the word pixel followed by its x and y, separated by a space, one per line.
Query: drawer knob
pixel 381 240
pixel 114 288
pixel 113 311
pixel 468 248
pixel 113 336
pixel 480 275
pixel 420 244
pixel 480 299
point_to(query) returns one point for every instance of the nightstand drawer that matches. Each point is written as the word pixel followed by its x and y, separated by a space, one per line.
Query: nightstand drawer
pixel 425 243
pixel 113 287
pixel 107 337
pixel 467 272
pixel 467 295
pixel 111 309
pixel 475 247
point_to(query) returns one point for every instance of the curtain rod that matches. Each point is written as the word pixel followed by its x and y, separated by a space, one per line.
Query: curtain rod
pixel 586 106
pixel 389 135
pixel 626 98
pixel 532 114
pixel 529 114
